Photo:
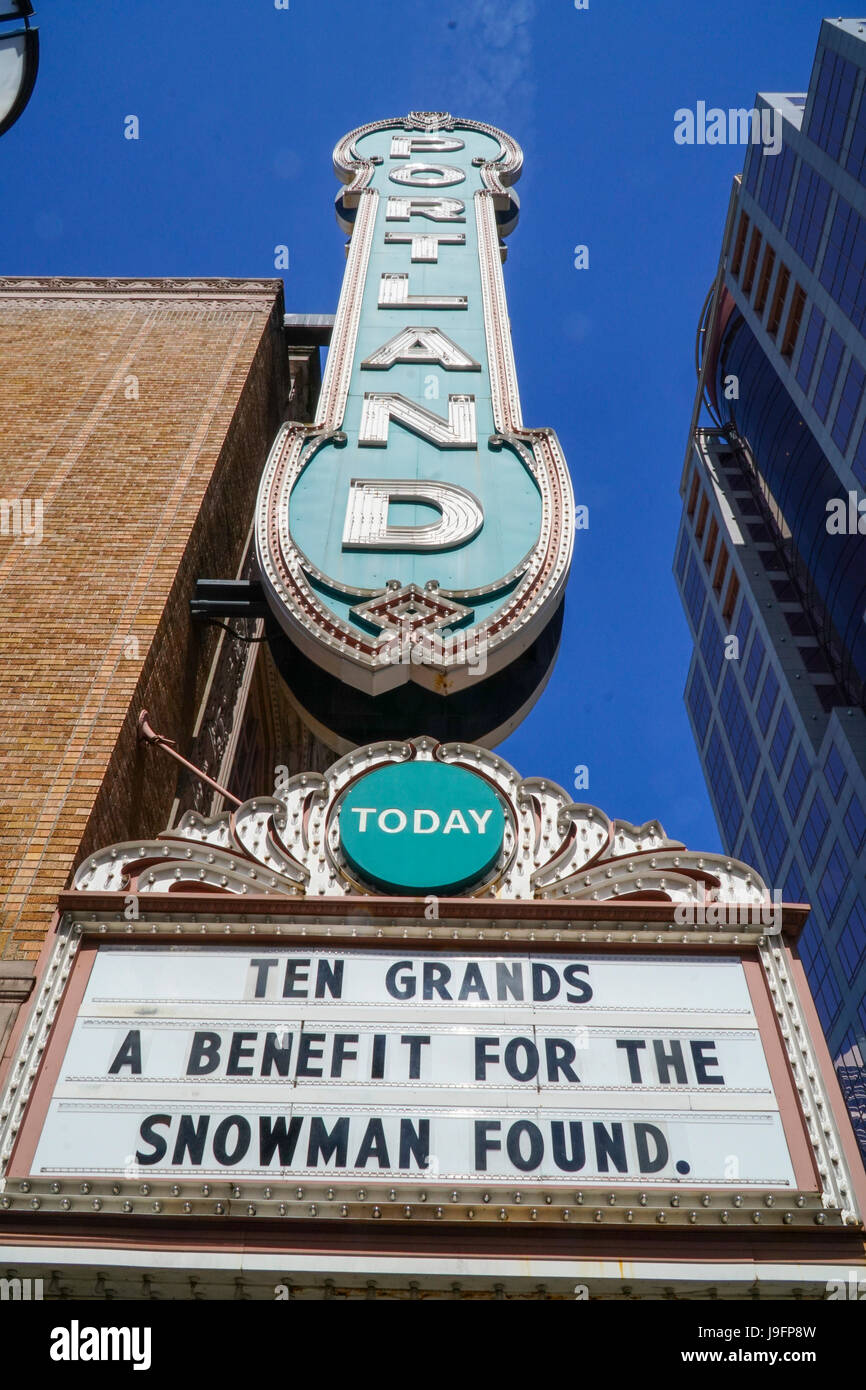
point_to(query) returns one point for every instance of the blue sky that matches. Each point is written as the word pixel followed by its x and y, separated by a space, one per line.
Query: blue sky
pixel 239 107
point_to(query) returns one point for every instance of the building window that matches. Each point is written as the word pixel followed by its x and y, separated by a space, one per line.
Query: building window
pixel 814 829
pixel 858 463
pixel 844 268
pixel 810 348
pixel 808 944
pixel 832 102
pixel 699 705
pixel 730 810
pixel 851 943
pixel 748 854
pixel 731 597
pixel 712 648
pixel 824 988
pixel 767 701
pixel 855 823
pixel 752 259
pixel 794 890
pixel 739 244
pixel 744 748
pixel 721 570
pixel 693 492
pixel 768 826
pixel 828 374
pixel 754 168
pixel 834 881
pixel 682 556
pixel 808 214
pixel 795 788
pixel 712 537
pixel 701 522
pixel 849 403
pixel 781 739
pixel 856 161
pixel 781 290
pixel 693 592
pixel 744 626
pixel 773 197
pixel 754 664
pixel 764 279
pixel 834 771
pixel 792 327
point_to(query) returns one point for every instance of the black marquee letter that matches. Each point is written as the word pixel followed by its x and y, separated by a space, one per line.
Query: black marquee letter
pixel 129 1054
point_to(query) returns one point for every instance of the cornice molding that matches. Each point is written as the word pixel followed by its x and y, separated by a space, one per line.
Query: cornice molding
pixel 136 288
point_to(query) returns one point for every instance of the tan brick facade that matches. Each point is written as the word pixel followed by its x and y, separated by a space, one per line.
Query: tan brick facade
pixel 140 413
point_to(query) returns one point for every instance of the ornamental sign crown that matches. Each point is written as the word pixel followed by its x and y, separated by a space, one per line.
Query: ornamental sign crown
pixel 417 513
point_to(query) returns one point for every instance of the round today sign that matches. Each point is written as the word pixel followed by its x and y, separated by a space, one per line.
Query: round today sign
pixel 421 827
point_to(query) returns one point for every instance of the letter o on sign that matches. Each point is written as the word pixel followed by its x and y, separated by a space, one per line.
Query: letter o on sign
pixel 392 829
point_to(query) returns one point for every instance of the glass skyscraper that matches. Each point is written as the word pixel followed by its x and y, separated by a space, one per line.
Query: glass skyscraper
pixel 771 553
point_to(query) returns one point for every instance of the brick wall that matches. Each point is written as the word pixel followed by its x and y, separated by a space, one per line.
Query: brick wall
pixel 140 413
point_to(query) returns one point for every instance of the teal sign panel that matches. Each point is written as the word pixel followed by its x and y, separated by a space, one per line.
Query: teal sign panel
pixel 421 828
pixel 417 531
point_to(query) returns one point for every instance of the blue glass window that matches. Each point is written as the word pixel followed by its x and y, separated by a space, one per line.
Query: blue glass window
pixel 832 102
pixel 849 404
pixel 798 777
pixel 744 624
pixel 856 161
pixel 834 771
pixel 776 184
pixel 809 944
pixel 754 163
pixel 768 826
pixel 754 664
pixel 794 890
pixel 810 348
pixel 748 853
pixel 855 823
pixel 851 943
pixel 781 739
pixel 767 701
pixel 828 374
pixel 712 648
pixel 858 463
pixel 699 704
pixel 744 748
pixel 814 829
pixel 844 268
pixel 808 211
pixel 824 988
pixel 834 881
pixel 727 800
pixel 683 555
pixel 693 592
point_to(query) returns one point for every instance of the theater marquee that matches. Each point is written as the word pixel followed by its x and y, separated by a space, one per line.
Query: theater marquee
pixel 498 1068
pixel 419 988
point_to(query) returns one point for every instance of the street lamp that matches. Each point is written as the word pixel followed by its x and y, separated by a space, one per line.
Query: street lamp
pixel 19 61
